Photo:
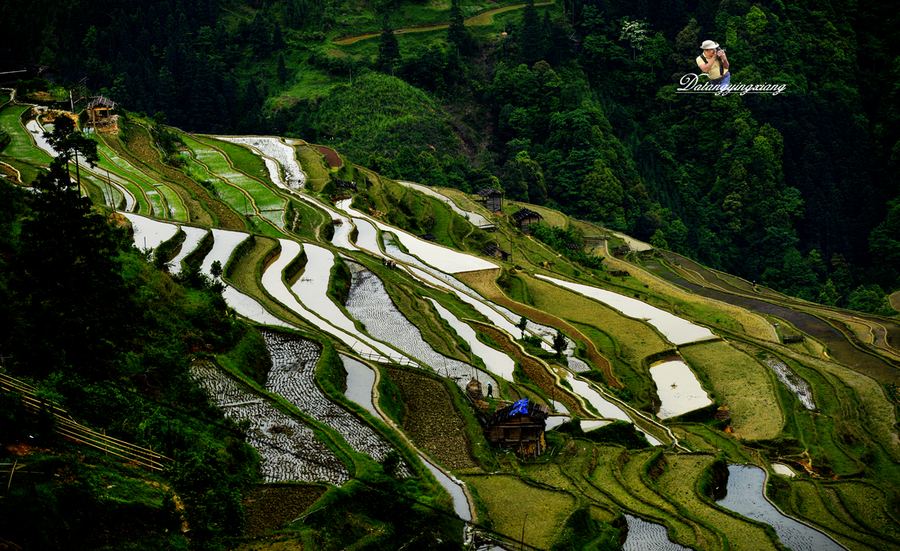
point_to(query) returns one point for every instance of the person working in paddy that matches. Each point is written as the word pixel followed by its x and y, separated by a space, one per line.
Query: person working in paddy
pixel 714 63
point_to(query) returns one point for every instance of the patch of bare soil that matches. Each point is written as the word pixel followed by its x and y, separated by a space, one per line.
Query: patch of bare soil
pixel 483 281
pixel 334 160
pixel 268 507
pixel 432 420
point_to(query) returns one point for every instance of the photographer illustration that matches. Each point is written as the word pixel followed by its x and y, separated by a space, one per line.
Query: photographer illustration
pixel 714 63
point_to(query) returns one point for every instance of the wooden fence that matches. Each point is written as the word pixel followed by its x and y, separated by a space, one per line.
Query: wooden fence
pixel 77 432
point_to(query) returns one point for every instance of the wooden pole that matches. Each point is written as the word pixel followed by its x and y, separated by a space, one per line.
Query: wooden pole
pixel 523 531
pixel 11 474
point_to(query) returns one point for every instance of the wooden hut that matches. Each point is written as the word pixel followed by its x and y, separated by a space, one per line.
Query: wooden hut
pixel 525 218
pixel 492 199
pixel 495 251
pixel 345 184
pixel 519 426
pixel 100 111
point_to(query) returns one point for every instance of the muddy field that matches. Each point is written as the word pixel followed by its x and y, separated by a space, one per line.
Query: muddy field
pixel 334 160
pixel 432 420
pixel 268 507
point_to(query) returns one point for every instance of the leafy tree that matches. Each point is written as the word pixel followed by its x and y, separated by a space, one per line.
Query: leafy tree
pixel 559 343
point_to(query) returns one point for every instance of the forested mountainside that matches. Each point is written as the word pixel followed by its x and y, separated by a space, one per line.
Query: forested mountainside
pixel 257 305
pixel 251 342
pixel 570 104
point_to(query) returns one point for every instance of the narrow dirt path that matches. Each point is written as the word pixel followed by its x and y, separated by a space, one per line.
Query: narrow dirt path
pixel 483 18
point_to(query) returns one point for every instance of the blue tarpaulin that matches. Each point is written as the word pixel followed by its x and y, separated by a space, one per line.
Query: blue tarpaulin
pixel 520 408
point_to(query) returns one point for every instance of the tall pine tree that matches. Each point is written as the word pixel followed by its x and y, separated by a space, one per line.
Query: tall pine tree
pixel 389 48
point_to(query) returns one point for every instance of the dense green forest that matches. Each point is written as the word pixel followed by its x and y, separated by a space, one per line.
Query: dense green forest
pixel 575 107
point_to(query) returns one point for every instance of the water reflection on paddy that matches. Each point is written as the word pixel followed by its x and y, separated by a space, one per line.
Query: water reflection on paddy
pixel 745 496
pixel 678 389
pixel 675 329
pixel 150 233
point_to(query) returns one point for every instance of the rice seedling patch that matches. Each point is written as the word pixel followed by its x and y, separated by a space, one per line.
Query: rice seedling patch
pixel 292 376
pixel 282 442
pixel 512 503
pixel 742 384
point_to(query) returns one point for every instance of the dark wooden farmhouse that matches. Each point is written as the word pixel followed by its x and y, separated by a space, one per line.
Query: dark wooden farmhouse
pixel 345 184
pixel 100 111
pixel 519 426
pixel 495 251
pixel 525 218
pixel 492 199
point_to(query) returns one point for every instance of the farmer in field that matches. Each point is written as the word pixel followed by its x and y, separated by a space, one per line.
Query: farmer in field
pixel 714 63
pixel 490 390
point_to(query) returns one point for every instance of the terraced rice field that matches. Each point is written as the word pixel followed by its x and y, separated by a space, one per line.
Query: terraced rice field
pixel 742 384
pixel 192 238
pixel 513 504
pixel 636 340
pixel 21 145
pixel 274 284
pixel 370 303
pixel 496 361
pixel 292 376
pixel 281 153
pixel 289 450
pixel 261 196
pixel 675 329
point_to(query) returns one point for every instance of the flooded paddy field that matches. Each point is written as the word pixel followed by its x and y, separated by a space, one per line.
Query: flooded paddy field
pixel 678 389
pixel 839 347
pixel 274 284
pixel 148 232
pixel 370 303
pixel 745 496
pixel 799 387
pixel 283 443
pixel 292 376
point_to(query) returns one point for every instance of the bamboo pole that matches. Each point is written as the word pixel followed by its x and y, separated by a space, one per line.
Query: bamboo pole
pixel 11 474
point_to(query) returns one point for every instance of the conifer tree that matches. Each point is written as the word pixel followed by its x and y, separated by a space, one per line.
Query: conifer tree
pixel 389 49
